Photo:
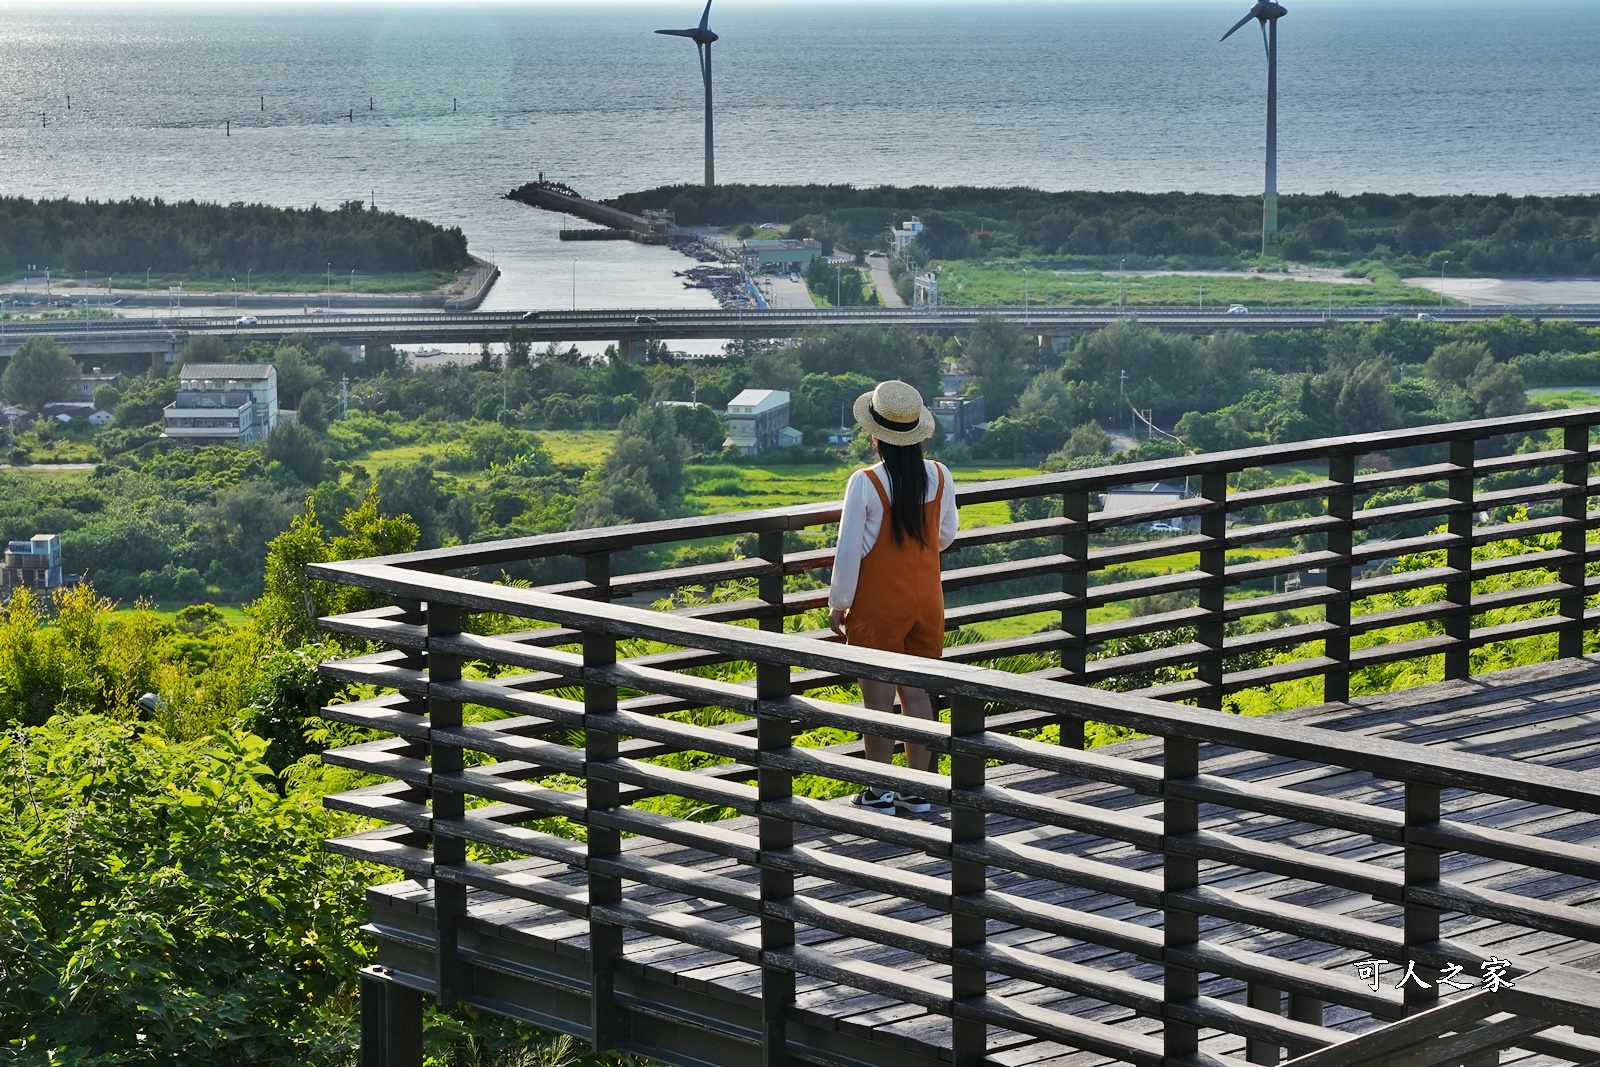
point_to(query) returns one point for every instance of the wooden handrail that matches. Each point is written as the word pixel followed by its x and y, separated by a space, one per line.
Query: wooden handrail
pixel 746 760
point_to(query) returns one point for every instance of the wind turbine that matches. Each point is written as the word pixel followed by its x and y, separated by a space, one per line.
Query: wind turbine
pixel 702 37
pixel 1268 13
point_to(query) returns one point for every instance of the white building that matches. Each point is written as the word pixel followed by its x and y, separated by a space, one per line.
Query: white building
pixel 756 420
pixel 905 233
pixel 223 403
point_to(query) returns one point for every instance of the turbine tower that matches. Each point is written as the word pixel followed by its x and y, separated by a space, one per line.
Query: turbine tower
pixel 703 38
pixel 1268 13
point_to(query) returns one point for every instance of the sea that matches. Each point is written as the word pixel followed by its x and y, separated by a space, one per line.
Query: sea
pixel 439 110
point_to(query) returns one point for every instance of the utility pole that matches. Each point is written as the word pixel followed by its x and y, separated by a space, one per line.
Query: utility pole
pixel 344 398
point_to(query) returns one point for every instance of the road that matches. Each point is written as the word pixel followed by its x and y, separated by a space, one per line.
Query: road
pixel 88 337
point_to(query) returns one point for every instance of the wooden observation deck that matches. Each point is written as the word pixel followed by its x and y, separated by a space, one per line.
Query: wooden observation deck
pixel 608 823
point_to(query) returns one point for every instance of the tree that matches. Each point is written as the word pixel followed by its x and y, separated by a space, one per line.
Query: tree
pixel 998 355
pixel 143 400
pixel 292 601
pixel 1454 362
pixel 38 373
pixel 204 349
pixel 298 449
pixel 1088 439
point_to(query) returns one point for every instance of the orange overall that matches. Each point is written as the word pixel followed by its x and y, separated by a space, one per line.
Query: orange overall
pixel 899 602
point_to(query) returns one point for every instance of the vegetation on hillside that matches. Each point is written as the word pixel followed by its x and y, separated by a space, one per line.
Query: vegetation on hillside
pixel 129 237
pixel 1486 234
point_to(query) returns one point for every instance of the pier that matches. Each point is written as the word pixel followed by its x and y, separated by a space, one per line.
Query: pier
pixel 651 229
pixel 1205 893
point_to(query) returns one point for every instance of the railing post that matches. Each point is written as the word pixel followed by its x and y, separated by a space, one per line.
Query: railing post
pixel 1336 612
pixel 1211 632
pixel 1262 997
pixel 774 785
pixel 1075 612
pixel 391 1022
pixel 1421 871
pixel 416 660
pixel 1574 540
pixel 1180 927
pixel 449 897
pixel 967 824
pixel 607 1020
pixel 1458 557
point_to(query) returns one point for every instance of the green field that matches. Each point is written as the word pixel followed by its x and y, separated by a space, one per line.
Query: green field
pixel 232 614
pixel 1003 283
pixel 259 284
pixel 578 448
pixel 717 488
pixel 1576 396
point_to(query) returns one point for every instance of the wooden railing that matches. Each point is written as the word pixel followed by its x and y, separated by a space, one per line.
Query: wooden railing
pixel 565 724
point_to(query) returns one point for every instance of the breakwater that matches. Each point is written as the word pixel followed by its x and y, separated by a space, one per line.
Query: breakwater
pixel 652 228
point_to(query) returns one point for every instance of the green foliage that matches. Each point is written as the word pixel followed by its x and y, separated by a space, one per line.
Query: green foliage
pixel 131 236
pixel 293 601
pixel 39 372
pixel 161 903
pixel 296 447
pixel 143 400
pixel 1489 234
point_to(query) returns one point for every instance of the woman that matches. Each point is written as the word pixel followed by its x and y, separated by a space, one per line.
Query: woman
pixel 898 516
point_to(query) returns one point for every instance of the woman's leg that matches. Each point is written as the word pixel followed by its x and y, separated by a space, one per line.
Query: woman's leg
pixel 917 704
pixel 878 696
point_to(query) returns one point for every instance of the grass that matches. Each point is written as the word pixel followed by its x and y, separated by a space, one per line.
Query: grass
pixel 1003 283
pixel 578 448
pixel 1574 396
pixel 233 614
pixel 314 284
pixel 723 487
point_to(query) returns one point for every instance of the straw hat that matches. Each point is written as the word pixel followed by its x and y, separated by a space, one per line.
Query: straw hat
pixel 894 414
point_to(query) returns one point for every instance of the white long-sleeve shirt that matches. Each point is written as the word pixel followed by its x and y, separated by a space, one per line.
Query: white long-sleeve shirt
pixel 863 519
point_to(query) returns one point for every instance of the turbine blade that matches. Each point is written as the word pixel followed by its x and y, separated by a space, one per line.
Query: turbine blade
pixel 1237 25
pixel 1265 46
pixel 707 16
pixel 679 33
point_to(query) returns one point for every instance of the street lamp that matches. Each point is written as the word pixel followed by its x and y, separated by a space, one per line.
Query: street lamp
pixel 147 271
pixel 235 282
pixel 838 285
pixel 327 293
pixel 1442 266
pixel 1025 297
pixel 574 285
pixel 247 274
pixel 1121 267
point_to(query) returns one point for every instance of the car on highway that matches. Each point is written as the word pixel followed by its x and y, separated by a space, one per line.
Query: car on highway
pixel 530 316
pixel 877 255
pixel 246 320
pixel 1164 528
pixel 1238 309
pixel 644 320
pixel 1423 316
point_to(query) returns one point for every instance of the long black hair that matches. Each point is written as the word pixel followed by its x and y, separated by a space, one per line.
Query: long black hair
pixel 908 490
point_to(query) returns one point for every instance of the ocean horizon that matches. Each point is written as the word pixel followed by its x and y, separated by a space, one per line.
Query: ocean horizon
pixel 439 111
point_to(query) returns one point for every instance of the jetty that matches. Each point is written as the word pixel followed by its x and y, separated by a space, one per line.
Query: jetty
pixel 651 228
pixel 615 822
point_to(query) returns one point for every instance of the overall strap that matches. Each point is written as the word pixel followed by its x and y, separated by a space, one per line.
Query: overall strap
pixel 883 494
pixel 938 495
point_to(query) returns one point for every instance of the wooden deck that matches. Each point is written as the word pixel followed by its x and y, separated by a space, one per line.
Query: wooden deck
pixel 687 1005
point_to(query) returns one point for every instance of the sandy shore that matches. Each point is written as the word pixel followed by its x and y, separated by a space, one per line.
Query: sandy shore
pixel 1321 275
pixel 1478 291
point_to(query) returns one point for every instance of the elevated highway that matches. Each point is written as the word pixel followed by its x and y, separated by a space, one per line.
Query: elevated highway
pixel 88 338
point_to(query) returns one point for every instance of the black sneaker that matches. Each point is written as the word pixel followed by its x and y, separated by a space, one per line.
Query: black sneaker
pixel 912 803
pixel 875 800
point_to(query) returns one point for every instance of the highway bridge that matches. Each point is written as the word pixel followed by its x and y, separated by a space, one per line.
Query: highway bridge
pixel 89 338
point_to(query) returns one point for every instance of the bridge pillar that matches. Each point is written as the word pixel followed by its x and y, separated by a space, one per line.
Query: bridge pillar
pixel 631 351
pixel 1054 342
